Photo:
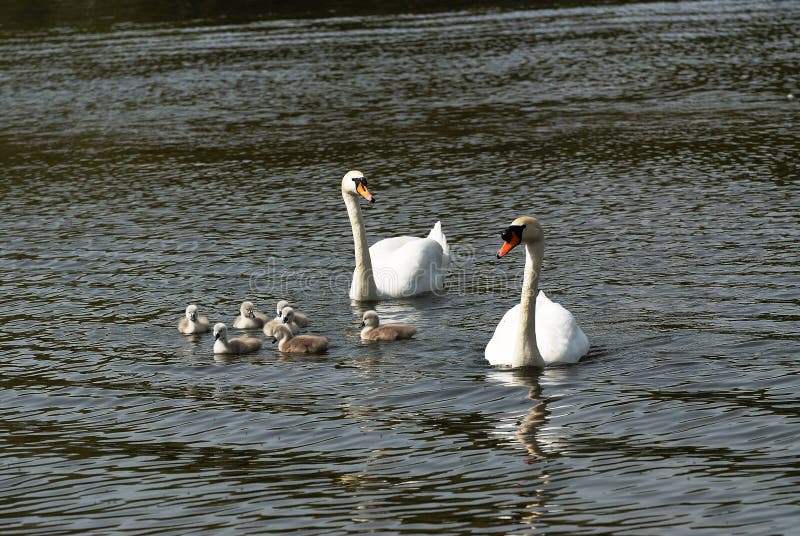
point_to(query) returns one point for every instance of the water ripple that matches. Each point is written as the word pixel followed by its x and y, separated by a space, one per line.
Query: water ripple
pixel 150 166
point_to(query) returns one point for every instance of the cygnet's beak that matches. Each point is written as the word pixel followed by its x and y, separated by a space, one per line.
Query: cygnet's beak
pixel 286 320
pixel 274 340
pixel 251 314
pixel 216 335
pixel 362 324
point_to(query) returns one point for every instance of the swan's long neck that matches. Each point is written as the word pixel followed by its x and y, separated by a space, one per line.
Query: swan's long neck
pixel 363 282
pixel 526 352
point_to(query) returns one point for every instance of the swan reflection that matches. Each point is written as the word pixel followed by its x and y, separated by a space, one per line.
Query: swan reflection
pixel 531 428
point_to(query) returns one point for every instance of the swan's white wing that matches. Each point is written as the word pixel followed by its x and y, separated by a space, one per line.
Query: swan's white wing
pixel 383 249
pixel 437 235
pixel 380 253
pixel 501 346
pixel 558 336
pixel 407 266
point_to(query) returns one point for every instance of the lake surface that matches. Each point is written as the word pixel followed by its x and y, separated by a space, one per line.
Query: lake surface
pixel 148 165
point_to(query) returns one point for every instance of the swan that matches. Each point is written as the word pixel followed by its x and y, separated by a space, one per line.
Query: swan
pixel 239 345
pixel 394 267
pixel 373 331
pixel 248 318
pixel 534 333
pixel 192 322
pixel 299 318
pixel 302 344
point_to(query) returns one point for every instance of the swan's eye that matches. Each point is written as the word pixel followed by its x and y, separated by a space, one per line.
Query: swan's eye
pixel 511 232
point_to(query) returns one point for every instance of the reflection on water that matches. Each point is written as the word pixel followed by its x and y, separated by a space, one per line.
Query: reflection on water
pixel 148 166
pixel 525 428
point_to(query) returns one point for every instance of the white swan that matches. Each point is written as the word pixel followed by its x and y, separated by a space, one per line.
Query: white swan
pixel 537 332
pixel 393 267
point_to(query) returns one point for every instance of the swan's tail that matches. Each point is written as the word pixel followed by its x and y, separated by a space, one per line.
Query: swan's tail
pixel 437 235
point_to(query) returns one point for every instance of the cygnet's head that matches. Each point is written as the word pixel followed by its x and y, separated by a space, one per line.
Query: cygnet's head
pixel 281 305
pixel 246 310
pixel 191 312
pixel 355 183
pixel 220 331
pixel 370 319
pixel 281 332
pixel 522 230
pixel 287 314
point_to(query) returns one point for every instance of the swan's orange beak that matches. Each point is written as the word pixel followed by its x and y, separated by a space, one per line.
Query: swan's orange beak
pixel 508 245
pixel 363 191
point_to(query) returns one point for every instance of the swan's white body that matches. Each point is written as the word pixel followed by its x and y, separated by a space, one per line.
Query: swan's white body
pixel 536 332
pixel 408 265
pixel 559 338
pixel 394 267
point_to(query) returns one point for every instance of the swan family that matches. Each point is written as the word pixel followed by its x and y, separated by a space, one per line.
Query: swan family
pixel 533 333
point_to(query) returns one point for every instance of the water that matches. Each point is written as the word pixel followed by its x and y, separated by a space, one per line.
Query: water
pixel 150 165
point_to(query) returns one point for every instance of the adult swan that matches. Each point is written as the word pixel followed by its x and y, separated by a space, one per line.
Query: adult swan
pixel 537 331
pixel 393 267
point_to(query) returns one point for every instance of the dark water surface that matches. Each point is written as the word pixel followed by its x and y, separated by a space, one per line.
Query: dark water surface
pixel 147 166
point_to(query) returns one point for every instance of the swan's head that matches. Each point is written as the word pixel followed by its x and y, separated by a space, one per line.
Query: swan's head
pixel 191 312
pixel 287 313
pixel 220 332
pixel 355 183
pixel 370 319
pixel 281 332
pixel 246 310
pixel 281 305
pixel 525 230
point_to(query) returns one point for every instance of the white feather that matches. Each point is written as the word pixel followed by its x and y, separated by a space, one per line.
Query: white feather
pixel 408 265
pixel 558 336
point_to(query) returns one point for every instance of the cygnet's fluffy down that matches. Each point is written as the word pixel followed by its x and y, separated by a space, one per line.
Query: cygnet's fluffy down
pixel 299 318
pixel 302 344
pixel 239 345
pixel 372 330
pixel 248 318
pixel 193 322
pixel 285 318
